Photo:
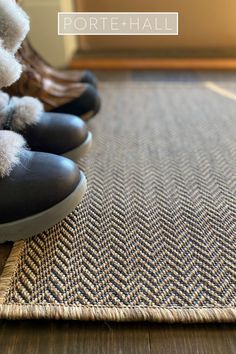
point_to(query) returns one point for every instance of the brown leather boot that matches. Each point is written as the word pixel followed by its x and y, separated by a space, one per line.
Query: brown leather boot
pixel 30 55
pixel 80 99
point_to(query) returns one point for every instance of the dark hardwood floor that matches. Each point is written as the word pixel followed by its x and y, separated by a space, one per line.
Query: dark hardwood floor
pixel 43 337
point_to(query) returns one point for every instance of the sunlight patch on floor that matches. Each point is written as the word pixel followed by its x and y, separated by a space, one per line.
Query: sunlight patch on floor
pixel 220 90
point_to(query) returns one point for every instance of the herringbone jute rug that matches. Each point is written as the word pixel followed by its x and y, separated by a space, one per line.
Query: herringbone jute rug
pixel 155 236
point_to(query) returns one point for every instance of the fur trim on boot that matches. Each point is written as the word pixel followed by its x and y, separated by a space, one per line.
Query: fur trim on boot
pixel 10 68
pixel 16 113
pixel 12 145
pixel 14 25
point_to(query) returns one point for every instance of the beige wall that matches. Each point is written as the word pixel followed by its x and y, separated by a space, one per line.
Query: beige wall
pixel 57 50
pixel 203 24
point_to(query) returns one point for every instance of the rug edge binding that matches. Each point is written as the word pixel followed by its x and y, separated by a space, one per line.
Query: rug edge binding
pixel 86 313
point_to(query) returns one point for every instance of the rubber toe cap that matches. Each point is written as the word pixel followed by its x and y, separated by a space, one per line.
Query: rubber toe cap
pixel 86 105
pixel 56 133
pixel 39 182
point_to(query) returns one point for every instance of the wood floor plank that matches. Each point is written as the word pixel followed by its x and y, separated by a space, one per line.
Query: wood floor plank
pixel 202 339
pixel 69 337
pixel 114 338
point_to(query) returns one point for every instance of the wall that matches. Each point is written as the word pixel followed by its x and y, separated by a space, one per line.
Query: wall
pixel 203 24
pixel 57 50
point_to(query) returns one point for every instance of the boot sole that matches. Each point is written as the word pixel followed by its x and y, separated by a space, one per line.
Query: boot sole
pixel 87 116
pixel 76 154
pixel 36 224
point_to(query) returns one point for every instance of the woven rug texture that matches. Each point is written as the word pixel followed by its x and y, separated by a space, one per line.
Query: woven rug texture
pixel 155 236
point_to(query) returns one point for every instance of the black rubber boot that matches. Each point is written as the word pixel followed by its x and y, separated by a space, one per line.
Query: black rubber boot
pixel 86 106
pixel 61 134
pixel 37 189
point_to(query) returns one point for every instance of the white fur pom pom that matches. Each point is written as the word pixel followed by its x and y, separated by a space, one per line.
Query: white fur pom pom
pixel 14 25
pixel 10 68
pixel 27 111
pixel 11 147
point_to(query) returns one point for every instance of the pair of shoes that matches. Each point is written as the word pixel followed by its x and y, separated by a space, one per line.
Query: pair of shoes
pixel 38 187
pixel 71 92
pixel 54 133
pixel 60 92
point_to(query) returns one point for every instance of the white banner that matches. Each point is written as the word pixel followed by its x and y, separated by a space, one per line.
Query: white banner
pixel 118 23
